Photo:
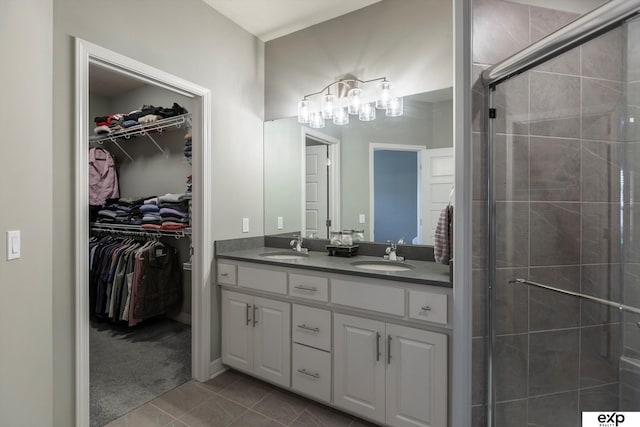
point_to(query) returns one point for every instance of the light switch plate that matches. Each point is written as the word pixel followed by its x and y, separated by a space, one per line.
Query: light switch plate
pixel 361 219
pixel 13 244
pixel 280 223
pixel 245 225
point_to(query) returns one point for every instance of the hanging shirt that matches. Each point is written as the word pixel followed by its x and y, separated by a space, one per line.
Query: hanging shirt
pixel 103 180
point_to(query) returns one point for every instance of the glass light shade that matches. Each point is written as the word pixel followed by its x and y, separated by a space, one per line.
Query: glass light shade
pixel 303 111
pixel 395 108
pixel 367 112
pixel 340 116
pixel 354 100
pixel 385 96
pixel 327 106
pixel 316 120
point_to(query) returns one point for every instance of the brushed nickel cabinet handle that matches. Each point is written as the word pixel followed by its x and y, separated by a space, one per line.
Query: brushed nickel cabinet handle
pixel 308 328
pixel 248 319
pixel 224 274
pixel 306 288
pixel 426 308
pixel 389 349
pixel 378 354
pixel 255 318
pixel 310 374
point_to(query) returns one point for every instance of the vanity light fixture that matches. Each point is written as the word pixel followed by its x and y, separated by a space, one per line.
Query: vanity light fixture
pixel 352 97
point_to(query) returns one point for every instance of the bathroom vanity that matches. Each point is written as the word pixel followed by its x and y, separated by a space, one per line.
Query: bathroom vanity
pixel 363 335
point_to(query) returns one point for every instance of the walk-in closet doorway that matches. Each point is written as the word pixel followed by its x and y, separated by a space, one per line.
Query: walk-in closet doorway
pixel 202 242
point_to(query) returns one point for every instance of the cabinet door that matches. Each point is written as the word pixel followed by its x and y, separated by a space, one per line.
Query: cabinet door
pixel 416 377
pixel 272 340
pixel 359 365
pixel 237 330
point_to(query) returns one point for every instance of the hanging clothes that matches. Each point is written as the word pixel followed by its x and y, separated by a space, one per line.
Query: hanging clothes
pixel 103 178
pixel 131 280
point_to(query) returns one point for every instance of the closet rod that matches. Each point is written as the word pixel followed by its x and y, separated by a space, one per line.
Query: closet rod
pixel 135 230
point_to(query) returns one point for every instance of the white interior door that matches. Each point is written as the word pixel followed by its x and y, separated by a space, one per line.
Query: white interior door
pixel 439 170
pixel 359 365
pixel 316 195
pixel 272 340
pixel 237 331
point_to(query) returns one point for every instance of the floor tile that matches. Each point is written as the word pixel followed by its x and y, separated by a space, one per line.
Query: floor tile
pixel 145 416
pixel 281 406
pixel 223 380
pixel 322 416
pixel 253 419
pixel 247 391
pixel 215 412
pixel 182 399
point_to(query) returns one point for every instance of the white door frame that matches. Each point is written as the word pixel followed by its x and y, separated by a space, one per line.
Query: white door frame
pixel 86 53
pixel 334 177
pixel 421 150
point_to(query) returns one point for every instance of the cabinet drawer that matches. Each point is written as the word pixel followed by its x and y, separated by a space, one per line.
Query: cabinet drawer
pixel 312 372
pixel 262 279
pixel 312 327
pixel 428 306
pixel 369 296
pixel 310 287
pixel 226 274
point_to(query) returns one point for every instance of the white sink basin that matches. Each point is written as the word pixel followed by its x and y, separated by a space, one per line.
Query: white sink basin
pixel 284 255
pixel 382 265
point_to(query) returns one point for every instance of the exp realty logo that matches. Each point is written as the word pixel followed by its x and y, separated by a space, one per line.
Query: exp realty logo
pixel 610 419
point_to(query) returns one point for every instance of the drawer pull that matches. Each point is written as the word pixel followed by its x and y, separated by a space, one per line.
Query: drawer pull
pixel 255 318
pixel 306 288
pixel 224 274
pixel 310 374
pixel 426 308
pixel 308 328
pixel 248 319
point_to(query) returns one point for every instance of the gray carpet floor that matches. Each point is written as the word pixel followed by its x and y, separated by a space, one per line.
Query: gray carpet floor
pixel 131 366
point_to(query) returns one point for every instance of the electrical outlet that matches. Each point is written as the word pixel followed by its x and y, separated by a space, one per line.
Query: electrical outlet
pixel 245 225
pixel 280 223
pixel 361 219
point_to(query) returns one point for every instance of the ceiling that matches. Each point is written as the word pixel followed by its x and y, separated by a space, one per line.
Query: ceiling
pixel 270 19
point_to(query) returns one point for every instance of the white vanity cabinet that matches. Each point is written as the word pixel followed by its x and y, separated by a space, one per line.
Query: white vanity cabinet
pixel 256 336
pixel 374 347
pixel 390 373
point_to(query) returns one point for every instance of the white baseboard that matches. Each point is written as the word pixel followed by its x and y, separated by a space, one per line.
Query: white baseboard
pixel 181 317
pixel 216 368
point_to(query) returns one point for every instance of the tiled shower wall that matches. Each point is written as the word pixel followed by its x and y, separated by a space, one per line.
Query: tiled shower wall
pixel 558 155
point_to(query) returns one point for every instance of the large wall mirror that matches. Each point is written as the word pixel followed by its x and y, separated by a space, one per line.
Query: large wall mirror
pixel 390 177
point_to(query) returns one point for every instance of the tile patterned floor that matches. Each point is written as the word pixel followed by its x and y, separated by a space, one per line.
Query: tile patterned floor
pixel 235 400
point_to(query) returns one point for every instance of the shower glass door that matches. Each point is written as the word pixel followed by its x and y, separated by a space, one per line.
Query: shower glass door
pixel 564 211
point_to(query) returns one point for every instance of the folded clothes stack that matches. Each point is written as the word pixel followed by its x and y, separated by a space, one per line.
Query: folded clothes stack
pixel 187 146
pixel 147 114
pixel 168 212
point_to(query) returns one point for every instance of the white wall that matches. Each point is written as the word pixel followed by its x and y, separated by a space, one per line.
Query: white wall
pixel 408 41
pixel 188 39
pixel 26 371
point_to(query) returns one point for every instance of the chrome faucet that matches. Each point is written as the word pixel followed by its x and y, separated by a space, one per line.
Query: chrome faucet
pixel 296 244
pixel 391 251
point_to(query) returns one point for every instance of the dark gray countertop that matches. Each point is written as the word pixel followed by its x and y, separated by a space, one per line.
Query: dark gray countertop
pixel 423 272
